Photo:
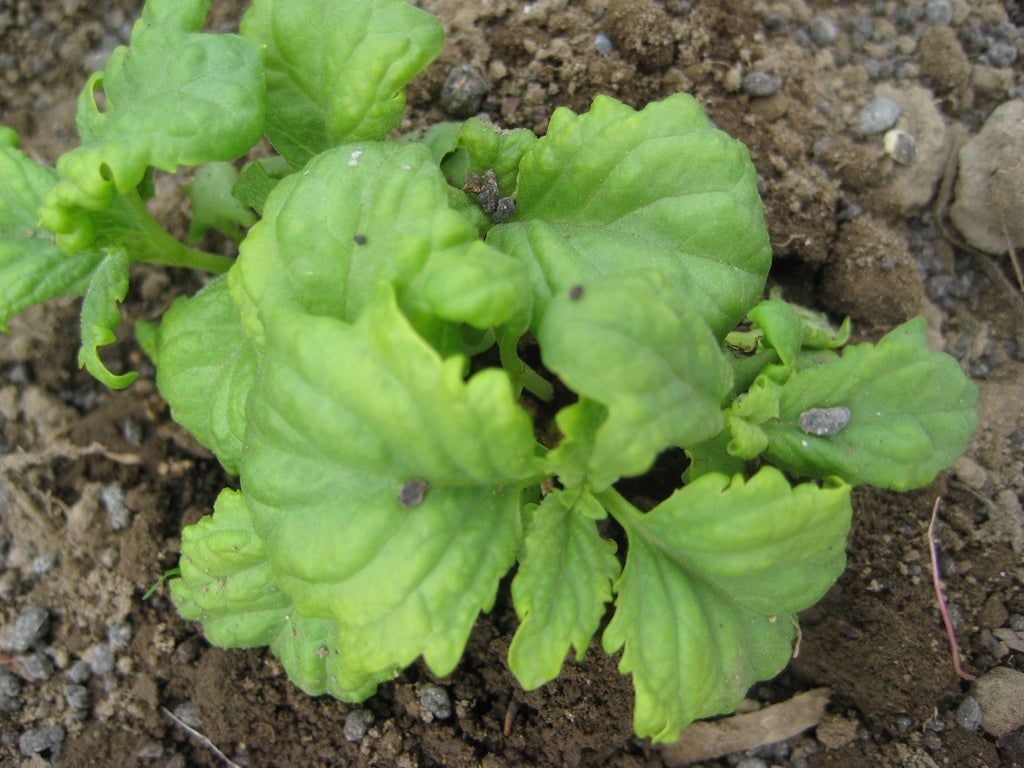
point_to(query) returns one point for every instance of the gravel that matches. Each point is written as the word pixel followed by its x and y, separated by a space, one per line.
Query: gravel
pixel 357 723
pixel 37 667
pixel 603 45
pixel 760 83
pixel 463 90
pixel 10 685
pixel 77 696
pixel 118 636
pixel 969 714
pixel 751 762
pixel 188 715
pixel 879 114
pixel 823 31
pixel 37 740
pixel 9 704
pixel 28 628
pixel 100 658
pixel 79 672
pixel 43 564
pixel 112 499
pixel 435 701
pixel 1002 55
pixel 938 12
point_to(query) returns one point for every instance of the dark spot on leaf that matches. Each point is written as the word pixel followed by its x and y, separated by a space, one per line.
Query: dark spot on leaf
pixel 412 492
pixel 576 292
pixel 824 422
pixel 504 210
pixel 360 239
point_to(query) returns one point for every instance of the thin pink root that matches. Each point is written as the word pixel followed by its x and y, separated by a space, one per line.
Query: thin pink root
pixel 954 648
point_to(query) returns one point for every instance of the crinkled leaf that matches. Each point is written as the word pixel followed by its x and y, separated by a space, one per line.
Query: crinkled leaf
pixel 561 587
pixel 101 317
pixel 174 96
pixel 227 585
pixel 382 216
pixel 488 147
pixel 258 179
pixel 713 577
pixel 388 491
pixel 32 267
pixel 206 368
pixel 912 412
pixel 214 206
pixel 336 68
pixel 625 343
pixel 781 326
pixel 614 190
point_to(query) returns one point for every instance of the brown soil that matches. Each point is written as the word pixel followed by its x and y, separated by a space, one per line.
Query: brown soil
pixel 876 639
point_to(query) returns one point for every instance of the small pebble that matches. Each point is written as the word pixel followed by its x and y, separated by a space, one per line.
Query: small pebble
pixel 435 700
pixel 1002 55
pixel 603 45
pixel 1016 622
pixel 152 750
pixel 463 90
pixel 935 724
pixel 938 12
pixel 44 564
pixel 823 31
pixel 9 704
pixel 10 685
pixel 357 723
pixel 77 696
pixel 188 715
pixel 932 742
pixel 824 422
pixel 37 740
pixel 878 115
pixel 100 658
pixel 904 723
pixel 78 672
pixel 751 762
pixel 37 667
pixel 759 83
pixel 901 147
pixel 112 499
pixel 132 433
pixel 28 629
pixel 969 714
pixel 119 635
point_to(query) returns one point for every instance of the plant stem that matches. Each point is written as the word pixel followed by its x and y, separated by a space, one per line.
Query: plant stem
pixel 523 374
pixel 168 251
pixel 618 507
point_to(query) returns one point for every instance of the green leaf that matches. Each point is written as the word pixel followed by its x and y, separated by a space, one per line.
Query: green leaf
pixel 336 69
pixel 625 343
pixel 614 190
pixel 214 206
pixel 781 326
pixel 491 148
pixel 561 587
pixel 714 575
pixel 388 493
pixel 227 585
pixel 912 413
pixel 206 368
pixel 382 216
pixel 101 317
pixel 173 97
pixel 258 179
pixel 579 424
pixel 32 268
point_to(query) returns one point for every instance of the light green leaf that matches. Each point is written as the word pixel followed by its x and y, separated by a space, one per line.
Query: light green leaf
pixel 747 440
pixel 781 326
pixel 101 317
pixel 32 268
pixel 579 424
pixel 713 578
pixel 614 190
pixel 488 147
pixel 912 412
pixel 561 587
pixel 206 366
pixel 173 97
pixel 214 206
pixel 388 493
pixel 382 216
pixel 258 179
pixel 625 343
pixel 336 68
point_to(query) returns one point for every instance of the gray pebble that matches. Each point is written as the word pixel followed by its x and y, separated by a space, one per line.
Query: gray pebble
pixel 10 685
pixel 932 742
pixel 37 667
pixel 969 714
pixel 759 83
pixel 119 635
pixel 824 422
pixel 44 564
pixel 78 672
pixel 37 740
pixel 132 433
pixel 878 115
pixel 463 90
pixel 357 723
pixel 175 761
pixel 751 762
pixel 100 658
pixel 28 629
pixel 603 45
pixel 823 31
pixel 112 499
pixel 77 696
pixel 9 704
pixel 152 750
pixel 1002 55
pixel 188 715
pixel 1016 622
pixel 938 12
pixel 904 723
pixel 435 700
pixel 935 724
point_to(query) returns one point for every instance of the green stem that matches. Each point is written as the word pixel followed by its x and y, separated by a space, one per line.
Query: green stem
pixel 618 507
pixel 168 251
pixel 523 374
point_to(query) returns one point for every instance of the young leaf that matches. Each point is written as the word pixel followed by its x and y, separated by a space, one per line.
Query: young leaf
pixel 561 587
pixel 491 148
pixel 173 97
pixel 335 70
pixel 781 326
pixel 258 179
pixel 206 367
pixel 911 413
pixel 214 206
pixel 713 577
pixel 388 492
pixel 101 317
pixel 382 216
pixel 614 190
pixel 32 268
pixel 625 342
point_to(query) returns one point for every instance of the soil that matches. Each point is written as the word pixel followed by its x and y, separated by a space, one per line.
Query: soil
pixel 852 236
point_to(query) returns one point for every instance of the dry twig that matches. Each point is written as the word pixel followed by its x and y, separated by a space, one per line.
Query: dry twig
pixel 200 738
